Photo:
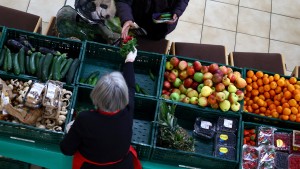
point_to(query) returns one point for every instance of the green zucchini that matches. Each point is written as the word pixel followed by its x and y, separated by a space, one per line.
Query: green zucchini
pixel 32 63
pixel 40 67
pixel 152 77
pixel 63 64
pixel 2 56
pixel 9 60
pixel 94 81
pixel 5 60
pixel 37 60
pixel 46 66
pixel 57 66
pixel 143 91
pixel 27 64
pixel 72 71
pixel 137 88
pixel 66 68
pixel 21 60
pixel 92 76
pixel 52 67
pixel 16 65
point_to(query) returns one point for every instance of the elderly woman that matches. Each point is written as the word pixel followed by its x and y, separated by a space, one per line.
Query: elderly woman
pixel 101 138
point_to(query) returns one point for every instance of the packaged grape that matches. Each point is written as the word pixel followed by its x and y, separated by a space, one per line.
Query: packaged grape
pixel 281 160
pixel 225 152
pixel 225 139
pixel 204 128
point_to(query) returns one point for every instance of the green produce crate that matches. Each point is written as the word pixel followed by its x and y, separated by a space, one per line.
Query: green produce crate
pixel 7 163
pixel 206 63
pixel 2 32
pixel 252 117
pixel 250 125
pixel 106 59
pixel 203 157
pixel 31 133
pixel 144 114
pixel 73 48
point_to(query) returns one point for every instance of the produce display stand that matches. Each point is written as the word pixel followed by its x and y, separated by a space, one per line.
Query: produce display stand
pixel 296 71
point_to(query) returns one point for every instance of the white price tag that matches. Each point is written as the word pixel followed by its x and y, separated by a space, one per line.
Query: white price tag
pixel 51 91
pixel 228 123
pixel 205 124
pixel 36 88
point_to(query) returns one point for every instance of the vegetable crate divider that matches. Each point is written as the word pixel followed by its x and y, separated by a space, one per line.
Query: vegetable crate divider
pixel 251 125
pixel 206 63
pixel 7 163
pixel 106 59
pixel 2 32
pixel 252 117
pixel 203 156
pixel 144 114
pixel 30 133
pixel 73 48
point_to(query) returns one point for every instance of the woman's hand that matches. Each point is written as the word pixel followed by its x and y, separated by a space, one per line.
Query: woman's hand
pixel 131 56
pixel 174 19
pixel 127 25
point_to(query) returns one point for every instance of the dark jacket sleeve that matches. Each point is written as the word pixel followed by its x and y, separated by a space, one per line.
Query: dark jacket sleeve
pixel 128 73
pixel 124 10
pixel 180 7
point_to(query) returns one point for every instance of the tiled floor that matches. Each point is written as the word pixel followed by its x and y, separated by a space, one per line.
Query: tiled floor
pixel 239 25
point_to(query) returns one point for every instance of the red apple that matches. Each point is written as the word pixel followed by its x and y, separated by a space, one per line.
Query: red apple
pixel 232 77
pixel 224 69
pixel 212 99
pixel 226 80
pixel 194 85
pixel 167 85
pixel 164 91
pixel 207 75
pixel 240 95
pixel 165 96
pixel 213 67
pixel 220 96
pixel 175 71
pixel 240 83
pixel 166 74
pixel 182 89
pixel 187 82
pixel 237 74
pixel 171 77
pixel 190 70
pixel 208 82
pixel 217 78
pixel 182 65
pixel 174 61
pixel 202 101
pixel 204 69
pixel 214 106
pixel 175 90
pixel 220 87
pixel 197 66
pixel 229 70
pixel 183 75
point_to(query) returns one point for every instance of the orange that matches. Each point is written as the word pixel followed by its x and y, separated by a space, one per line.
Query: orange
pixel 277 103
pixel 254 78
pixel 275 114
pixel 293 117
pixel 279 109
pixel 260 102
pixel 272 93
pixel 262 97
pixel 272 106
pixel 294 110
pixel 278 89
pixel 292 103
pixel 266 80
pixel 297 97
pixel 271 78
pixel 255 106
pixel 261 114
pixel 286 111
pixel 290 87
pixel 254 85
pixel 267 88
pixel 293 80
pixel 250 102
pixel 261 89
pixel 285 105
pixel 262 109
pixel 276 77
pixel 285 117
pixel 297 86
pixel 296 91
pixel 248 94
pixel 259 74
pixel 259 82
pixel 265 75
pixel 298 115
pixel 267 95
pixel 287 95
pixel 273 85
pixel 281 82
pixel 250 73
pixel 287 82
pixel 254 92
pixel 284 100
pixel 298 119
pixel 248 80
pixel 248 88
pixel 250 109
pixel 255 99
pixel 256 111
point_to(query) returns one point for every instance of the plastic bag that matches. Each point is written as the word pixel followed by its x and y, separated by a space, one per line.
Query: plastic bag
pixel 266 157
pixel 34 95
pixel 204 128
pixel 227 124
pixel 250 157
pixel 265 136
pixel 52 94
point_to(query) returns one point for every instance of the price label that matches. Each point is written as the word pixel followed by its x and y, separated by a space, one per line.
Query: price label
pixel 205 124
pixel 228 123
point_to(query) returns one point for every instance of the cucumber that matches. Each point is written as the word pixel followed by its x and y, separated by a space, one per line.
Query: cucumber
pixel 32 63
pixel 5 60
pixel 152 77
pixel 72 71
pixel 40 67
pixel 94 81
pixel 52 67
pixel 9 60
pixel 66 68
pixel 57 67
pixel 37 60
pixel 21 60
pixel 27 64
pixel 46 66
pixel 82 80
pixel 143 91
pixel 2 56
pixel 137 88
pixel 63 63
pixel 92 76
pixel 16 65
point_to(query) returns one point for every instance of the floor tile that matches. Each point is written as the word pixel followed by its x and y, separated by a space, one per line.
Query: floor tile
pixel 248 43
pixel 194 12
pixel 22 4
pixel 221 15
pixel 263 5
pixel 234 2
pixel 218 37
pixel 289 51
pixel 254 22
pixel 286 7
pixel 44 27
pixel 285 29
pixel 186 32
pixel 71 3
pixel 45 8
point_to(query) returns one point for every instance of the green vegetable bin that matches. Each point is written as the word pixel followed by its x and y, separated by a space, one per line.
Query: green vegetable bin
pixel 203 157
pixel 2 32
pixel 206 63
pixel 106 59
pixel 73 49
pixel 251 117
pixel 7 163
pixel 144 114
pixel 30 133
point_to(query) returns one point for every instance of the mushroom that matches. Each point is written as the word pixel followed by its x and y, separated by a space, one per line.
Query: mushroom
pixel 67 94
pixel 49 123
pixel 41 126
pixel 63 108
pixel 11 86
pixel 57 128
pixel 65 102
pixel 63 112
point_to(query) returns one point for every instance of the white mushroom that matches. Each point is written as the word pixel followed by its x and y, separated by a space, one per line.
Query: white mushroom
pixel 61 117
pixel 49 123
pixel 29 82
pixel 63 112
pixel 57 128
pixel 65 102
pixel 11 86
pixel 63 108
pixel 41 126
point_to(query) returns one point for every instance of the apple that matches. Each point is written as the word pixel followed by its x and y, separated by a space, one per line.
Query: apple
pixel 220 96
pixel 166 74
pixel 198 77
pixel 165 96
pixel 223 69
pixel 194 100
pixel 233 98
pixel 177 82
pixel 175 72
pixel 182 89
pixel 197 66
pixel 226 80
pixel 204 69
pixel 217 78
pixel 189 89
pixel 171 77
pixel 200 87
pixel 215 105
pixel 190 64
pixel 164 91
pixel 167 84
pixel 220 87
pixel 213 67
pixel 229 70
pixel 218 71
pixel 175 96
pixel 187 82
pixel 207 75
pixel 235 106
pixel 211 99
pixel 226 94
pixel 240 95
pixel 183 75
pixel 206 91
pixel 213 89
pixel 190 70
pixel 194 85
pixel 174 61
pixel 208 82
pixel 240 83
pixel 182 65
pixel 232 77
pixel 231 88
pixel 169 66
pixel 186 100
pixel 202 101
pixel 224 105
pixel 237 74
pixel 182 96
pixel 175 90
pixel 192 93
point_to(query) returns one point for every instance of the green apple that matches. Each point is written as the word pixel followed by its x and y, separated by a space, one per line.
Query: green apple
pixel 198 77
pixel 235 106
pixel 175 96
pixel 177 82
pixel 224 105
pixel 206 91
pixel 200 87
pixel 232 88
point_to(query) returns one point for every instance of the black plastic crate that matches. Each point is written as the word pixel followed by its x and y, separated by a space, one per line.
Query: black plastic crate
pixel 106 59
pixel 143 126
pixel 73 48
pixel 256 118
pixel 205 63
pixel 7 163
pixel 203 157
pixel 30 133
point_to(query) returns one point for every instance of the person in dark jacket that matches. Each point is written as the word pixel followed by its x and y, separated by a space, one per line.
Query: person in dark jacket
pixel 101 138
pixel 140 12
